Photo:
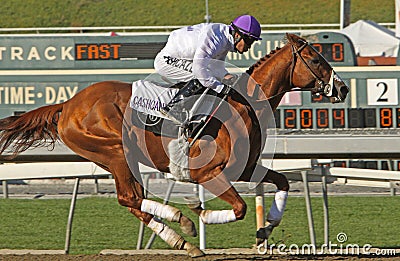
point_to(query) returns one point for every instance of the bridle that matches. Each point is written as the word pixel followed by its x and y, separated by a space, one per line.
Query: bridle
pixel 321 87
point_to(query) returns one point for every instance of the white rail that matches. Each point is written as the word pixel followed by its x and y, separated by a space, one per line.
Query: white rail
pixel 39 30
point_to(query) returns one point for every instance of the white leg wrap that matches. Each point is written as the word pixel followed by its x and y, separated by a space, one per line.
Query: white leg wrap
pixel 217 216
pixel 167 234
pixel 170 213
pixel 275 214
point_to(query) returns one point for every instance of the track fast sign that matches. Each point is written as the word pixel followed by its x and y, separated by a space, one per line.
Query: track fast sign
pixel 23 52
pixel 77 52
pixel 138 51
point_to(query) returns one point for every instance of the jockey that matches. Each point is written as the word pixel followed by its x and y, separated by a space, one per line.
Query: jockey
pixel 196 54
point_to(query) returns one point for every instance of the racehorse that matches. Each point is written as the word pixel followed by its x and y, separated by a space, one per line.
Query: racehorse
pixel 91 124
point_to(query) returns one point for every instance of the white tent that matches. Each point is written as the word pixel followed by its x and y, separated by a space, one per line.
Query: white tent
pixel 372 39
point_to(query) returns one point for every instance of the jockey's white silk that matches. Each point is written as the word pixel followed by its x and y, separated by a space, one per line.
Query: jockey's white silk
pixel 205 45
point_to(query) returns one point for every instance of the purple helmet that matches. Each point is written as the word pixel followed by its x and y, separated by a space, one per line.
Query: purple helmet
pixel 248 25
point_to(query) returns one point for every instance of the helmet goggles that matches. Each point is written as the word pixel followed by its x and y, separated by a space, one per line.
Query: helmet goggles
pixel 247 38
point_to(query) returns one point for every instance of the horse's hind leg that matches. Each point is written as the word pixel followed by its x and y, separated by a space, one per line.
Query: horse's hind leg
pixel 167 234
pixel 167 212
pixel 131 194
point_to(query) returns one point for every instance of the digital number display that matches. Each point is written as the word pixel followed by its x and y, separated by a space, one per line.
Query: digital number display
pixel 352 118
pixel 277 117
pixel 306 118
pixel 338 118
pixel 386 118
pixel 333 52
pixel 322 118
pixel 355 118
pixel 397 117
pixel 368 164
pixel 290 117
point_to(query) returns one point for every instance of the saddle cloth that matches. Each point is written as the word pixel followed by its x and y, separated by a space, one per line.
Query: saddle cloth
pixel 147 99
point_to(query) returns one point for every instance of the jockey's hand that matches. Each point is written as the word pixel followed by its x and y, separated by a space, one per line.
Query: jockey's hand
pixel 230 79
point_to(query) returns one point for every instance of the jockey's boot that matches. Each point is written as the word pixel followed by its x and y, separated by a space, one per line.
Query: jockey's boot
pixel 191 88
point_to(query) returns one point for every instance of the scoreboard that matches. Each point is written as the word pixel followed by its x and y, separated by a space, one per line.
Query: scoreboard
pixel 373 100
pixel 41 70
pixel 337 118
pixel 320 114
pixel 335 47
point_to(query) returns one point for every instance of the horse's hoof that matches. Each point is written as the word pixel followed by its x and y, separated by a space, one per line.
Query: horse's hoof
pixel 187 226
pixel 193 251
pixel 263 234
pixel 259 241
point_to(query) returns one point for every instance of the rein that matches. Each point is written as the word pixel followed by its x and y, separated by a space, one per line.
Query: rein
pixel 320 87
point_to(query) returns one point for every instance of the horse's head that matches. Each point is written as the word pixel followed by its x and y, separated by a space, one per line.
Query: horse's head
pixel 310 71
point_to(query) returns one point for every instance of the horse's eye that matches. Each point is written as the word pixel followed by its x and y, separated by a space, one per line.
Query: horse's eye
pixel 315 61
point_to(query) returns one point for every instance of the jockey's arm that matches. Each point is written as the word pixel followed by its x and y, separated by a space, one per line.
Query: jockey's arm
pixel 206 75
pixel 210 71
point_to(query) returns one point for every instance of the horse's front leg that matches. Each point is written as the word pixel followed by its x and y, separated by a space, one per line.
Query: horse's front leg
pixel 278 205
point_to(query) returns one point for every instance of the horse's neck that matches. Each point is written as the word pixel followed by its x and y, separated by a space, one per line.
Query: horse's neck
pixel 273 74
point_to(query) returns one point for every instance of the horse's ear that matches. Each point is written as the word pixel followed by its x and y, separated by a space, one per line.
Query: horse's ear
pixel 293 39
pixel 288 37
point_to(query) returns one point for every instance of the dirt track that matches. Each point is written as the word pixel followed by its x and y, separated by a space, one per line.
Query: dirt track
pixel 179 255
pixel 174 257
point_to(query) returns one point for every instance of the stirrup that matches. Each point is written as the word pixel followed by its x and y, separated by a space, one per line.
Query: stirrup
pixel 171 112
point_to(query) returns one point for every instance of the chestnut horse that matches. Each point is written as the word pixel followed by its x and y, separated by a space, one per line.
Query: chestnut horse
pixel 92 122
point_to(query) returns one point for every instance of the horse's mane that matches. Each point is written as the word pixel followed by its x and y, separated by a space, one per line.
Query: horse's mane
pixel 262 60
pixel 243 80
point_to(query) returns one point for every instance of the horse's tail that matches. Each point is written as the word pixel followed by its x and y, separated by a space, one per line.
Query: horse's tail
pixel 36 128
